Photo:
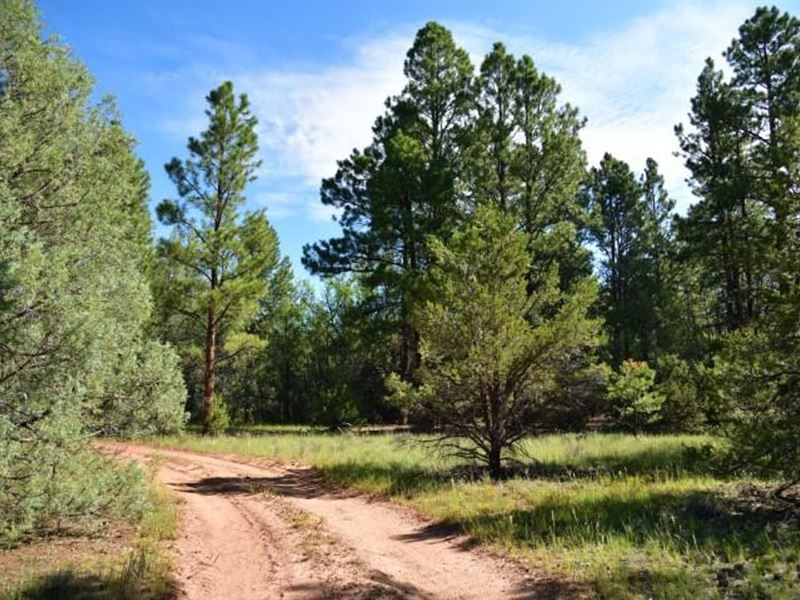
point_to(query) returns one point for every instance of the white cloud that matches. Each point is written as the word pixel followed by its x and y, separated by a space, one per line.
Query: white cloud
pixel 280 205
pixel 633 84
pixel 312 117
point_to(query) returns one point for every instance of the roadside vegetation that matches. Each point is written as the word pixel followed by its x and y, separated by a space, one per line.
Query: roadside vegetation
pixel 623 516
pixel 77 358
pixel 485 284
pixel 127 557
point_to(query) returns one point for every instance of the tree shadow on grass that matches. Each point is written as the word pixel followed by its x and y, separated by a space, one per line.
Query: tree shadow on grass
pixel 396 478
pixel 706 520
pixel 66 585
pixel 645 462
pixel 392 479
pixel 709 529
pixel 400 479
pixel 70 585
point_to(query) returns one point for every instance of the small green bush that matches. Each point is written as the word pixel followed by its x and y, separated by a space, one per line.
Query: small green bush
pixel 62 497
pixel 218 420
pixel 684 407
pixel 633 396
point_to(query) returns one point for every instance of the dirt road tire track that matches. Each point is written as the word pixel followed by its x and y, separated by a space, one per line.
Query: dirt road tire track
pixel 258 532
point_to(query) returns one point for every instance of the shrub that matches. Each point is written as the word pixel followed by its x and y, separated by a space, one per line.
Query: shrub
pixel 494 354
pixel 758 382
pixel 684 406
pixel 633 396
pixel 218 420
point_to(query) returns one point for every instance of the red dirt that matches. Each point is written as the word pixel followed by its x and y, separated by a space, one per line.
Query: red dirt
pixel 270 531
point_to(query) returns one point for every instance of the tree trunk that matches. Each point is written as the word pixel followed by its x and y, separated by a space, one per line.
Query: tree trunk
pixel 209 380
pixel 495 465
pixel 409 351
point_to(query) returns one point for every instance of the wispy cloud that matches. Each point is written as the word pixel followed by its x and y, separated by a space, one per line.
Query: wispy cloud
pixel 310 117
pixel 633 84
pixel 283 204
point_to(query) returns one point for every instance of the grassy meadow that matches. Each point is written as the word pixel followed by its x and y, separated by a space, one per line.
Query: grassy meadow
pixel 618 516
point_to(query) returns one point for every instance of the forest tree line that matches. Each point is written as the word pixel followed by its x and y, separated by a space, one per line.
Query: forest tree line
pixel 487 282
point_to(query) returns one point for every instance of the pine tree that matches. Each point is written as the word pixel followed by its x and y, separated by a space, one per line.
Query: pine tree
pixel 493 151
pixel 493 352
pixel 614 200
pixel 525 157
pixel 758 365
pixel 724 231
pixel 218 261
pixel 405 186
pixel 75 359
pixel 630 223
pixel 766 79
pixel 551 165
pixel 744 154
pixel 659 249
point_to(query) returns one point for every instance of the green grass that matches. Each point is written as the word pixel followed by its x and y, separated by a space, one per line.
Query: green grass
pixel 265 428
pixel 144 572
pixel 299 429
pixel 625 517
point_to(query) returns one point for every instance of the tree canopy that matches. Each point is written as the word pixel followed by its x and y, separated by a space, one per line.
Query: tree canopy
pixel 486 283
pixel 76 359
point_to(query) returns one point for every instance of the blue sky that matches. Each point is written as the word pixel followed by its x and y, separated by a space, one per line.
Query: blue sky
pixel 318 72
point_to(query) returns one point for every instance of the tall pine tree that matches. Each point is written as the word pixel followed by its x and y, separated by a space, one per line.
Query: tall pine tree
pixel 218 262
pixel 404 187
pixel 629 221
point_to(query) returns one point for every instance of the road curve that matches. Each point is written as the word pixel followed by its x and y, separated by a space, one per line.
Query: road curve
pixel 254 531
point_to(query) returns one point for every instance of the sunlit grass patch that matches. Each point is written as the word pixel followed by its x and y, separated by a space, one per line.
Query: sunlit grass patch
pixel 624 516
pixel 618 453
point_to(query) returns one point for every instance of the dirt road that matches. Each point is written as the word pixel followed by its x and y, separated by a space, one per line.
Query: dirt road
pixel 262 531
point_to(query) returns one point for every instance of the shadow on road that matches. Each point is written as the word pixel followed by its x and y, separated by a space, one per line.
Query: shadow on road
pixel 439 532
pixel 379 586
pixel 539 589
pixel 294 483
pixel 306 483
pixel 384 587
